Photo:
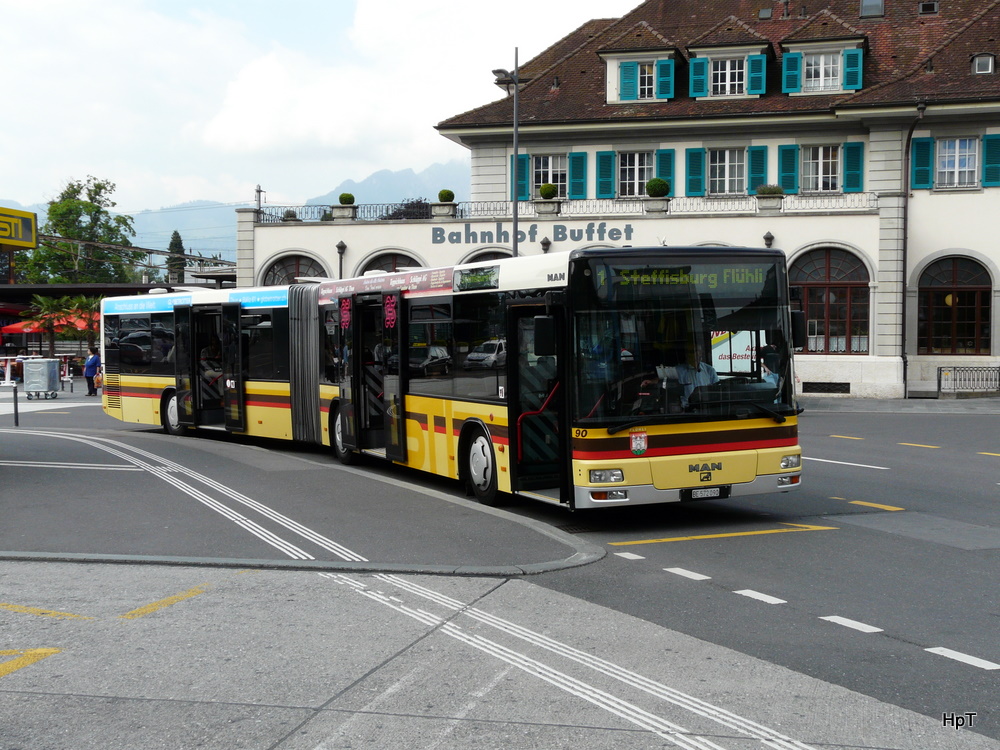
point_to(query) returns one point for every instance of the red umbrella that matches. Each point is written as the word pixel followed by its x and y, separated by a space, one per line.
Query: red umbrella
pixel 30 326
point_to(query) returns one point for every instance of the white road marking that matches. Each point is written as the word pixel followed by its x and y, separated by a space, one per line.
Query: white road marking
pixel 852 624
pixel 959 656
pixel 845 463
pixel 629 556
pixel 688 574
pixel 766 598
pixel 54 465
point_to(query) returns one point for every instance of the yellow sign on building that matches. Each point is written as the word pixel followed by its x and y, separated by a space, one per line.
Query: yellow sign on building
pixel 18 228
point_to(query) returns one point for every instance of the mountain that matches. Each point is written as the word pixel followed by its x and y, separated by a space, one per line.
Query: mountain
pixel 387 186
pixel 209 228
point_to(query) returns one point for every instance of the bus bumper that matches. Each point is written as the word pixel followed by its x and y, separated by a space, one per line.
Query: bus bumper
pixel 603 497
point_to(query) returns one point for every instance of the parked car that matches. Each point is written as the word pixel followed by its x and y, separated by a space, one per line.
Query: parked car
pixel 426 360
pixel 488 355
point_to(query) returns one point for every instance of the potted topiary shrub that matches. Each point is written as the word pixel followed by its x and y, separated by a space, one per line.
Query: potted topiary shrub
pixel 549 203
pixel 346 209
pixel 290 215
pixel 658 192
pixel 446 205
pixel 769 197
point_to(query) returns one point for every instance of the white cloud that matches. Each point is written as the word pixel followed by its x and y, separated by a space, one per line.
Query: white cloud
pixel 175 102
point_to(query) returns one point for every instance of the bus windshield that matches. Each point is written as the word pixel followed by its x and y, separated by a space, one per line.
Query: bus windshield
pixel 669 340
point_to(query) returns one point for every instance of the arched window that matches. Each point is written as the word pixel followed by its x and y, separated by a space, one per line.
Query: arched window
pixel 390 262
pixel 287 269
pixel 834 286
pixel 954 300
pixel 488 255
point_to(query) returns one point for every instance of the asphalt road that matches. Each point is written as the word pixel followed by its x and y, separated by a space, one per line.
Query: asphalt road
pixel 293 613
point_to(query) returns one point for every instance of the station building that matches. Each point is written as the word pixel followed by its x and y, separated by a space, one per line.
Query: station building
pixel 878 120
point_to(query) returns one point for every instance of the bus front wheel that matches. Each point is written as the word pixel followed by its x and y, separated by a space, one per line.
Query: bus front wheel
pixel 344 454
pixel 171 418
pixel 481 469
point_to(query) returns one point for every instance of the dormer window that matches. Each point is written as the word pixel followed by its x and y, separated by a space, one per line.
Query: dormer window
pixel 642 80
pixel 814 69
pixel 731 72
pixel 872 8
pixel 983 64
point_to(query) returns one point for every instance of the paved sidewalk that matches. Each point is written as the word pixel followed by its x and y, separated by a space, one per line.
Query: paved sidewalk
pixel 901 405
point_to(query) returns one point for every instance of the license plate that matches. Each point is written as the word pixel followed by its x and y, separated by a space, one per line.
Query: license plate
pixel 706 492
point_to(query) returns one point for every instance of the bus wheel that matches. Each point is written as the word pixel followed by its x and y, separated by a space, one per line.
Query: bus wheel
pixel 171 420
pixel 344 454
pixel 481 469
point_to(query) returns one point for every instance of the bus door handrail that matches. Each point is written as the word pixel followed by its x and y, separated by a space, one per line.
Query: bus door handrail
pixel 536 412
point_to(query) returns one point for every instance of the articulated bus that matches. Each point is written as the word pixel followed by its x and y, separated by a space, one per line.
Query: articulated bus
pixel 589 379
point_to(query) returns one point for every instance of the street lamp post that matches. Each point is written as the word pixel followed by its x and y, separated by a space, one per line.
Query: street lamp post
pixel 506 75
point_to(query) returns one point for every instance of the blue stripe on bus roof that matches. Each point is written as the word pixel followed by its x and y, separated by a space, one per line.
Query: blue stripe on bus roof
pixel 151 303
pixel 261 298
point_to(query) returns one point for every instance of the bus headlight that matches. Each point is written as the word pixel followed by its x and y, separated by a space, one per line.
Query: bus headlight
pixel 791 462
pixel 603 476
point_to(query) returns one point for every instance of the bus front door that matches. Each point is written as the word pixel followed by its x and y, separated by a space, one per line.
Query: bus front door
pixel 536 413
pixel 209 370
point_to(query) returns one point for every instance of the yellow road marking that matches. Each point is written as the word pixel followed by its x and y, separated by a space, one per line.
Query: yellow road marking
pixel 42 612
pixel 989 454
pixel 156 606
pixel 875 505
pixel 797 527
pixel 27 658
pixel 918 445
pixel 846 437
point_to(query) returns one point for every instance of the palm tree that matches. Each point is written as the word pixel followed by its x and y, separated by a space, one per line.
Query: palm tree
pixel 48 313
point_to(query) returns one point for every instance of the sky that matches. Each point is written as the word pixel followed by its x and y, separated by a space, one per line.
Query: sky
pixel 182 100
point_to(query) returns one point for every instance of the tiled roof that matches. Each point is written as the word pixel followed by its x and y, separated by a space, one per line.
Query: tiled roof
pixel 899 46
pixel 640 37
pixel 729 32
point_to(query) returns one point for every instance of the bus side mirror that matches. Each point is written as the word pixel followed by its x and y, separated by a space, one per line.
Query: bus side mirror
pixel 799 338
pixel 545 336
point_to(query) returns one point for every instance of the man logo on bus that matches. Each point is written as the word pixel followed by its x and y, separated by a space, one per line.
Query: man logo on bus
pixel 640 442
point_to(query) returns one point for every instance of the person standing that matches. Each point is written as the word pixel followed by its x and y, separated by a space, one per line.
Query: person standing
pixel 91 368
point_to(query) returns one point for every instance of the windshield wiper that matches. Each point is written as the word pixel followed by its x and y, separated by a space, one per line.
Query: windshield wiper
pixel 760 407
pixel 650 419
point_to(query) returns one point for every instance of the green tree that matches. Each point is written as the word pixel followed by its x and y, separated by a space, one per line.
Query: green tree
pixel 176 262
pixel 87 309
pixel 82 212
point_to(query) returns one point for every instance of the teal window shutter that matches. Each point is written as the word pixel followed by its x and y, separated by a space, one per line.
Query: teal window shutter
pixel 756 168
pixel 628 81
pixel 695 160
pixel 854 167
pixel 788 169
pixel 664 79
pixel 991 160
pixel 665 167
pixel 605 174
pixel 698 76
pixel 853 59
pixel 791 72
pixel 922 164
pixel 756 74
pixel 519 188
pixel 578 176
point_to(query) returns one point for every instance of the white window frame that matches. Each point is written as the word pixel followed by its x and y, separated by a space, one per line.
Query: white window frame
pixel 982 64
pixel 728 76
pixel 635 169
pixel 727 171
pixel 646 84
pixel 821 71
pixel 551 168
pixel 956 163
pixel 821 169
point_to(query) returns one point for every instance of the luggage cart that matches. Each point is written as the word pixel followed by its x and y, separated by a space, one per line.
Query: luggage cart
pixel 41 378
